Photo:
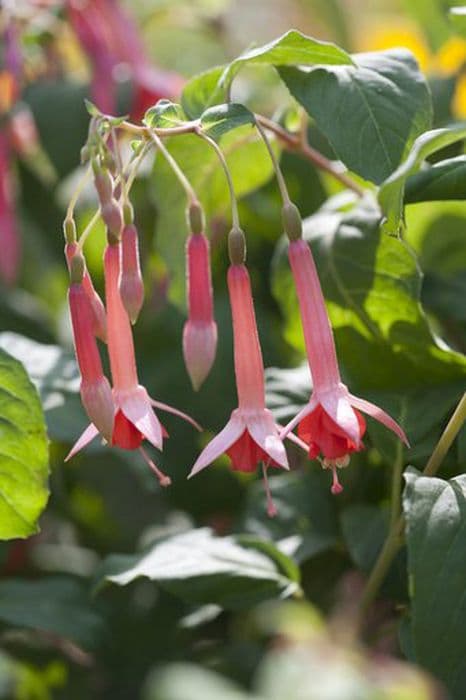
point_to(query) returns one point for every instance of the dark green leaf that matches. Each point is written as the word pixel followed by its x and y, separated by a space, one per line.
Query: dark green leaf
pixel 383 101
pixel 218 120
pixel 58 605
pixel 23 452
pixel 202 568
pixel 436 534
pixel 443 181
pixel 391 191
pixel 364 528
pixel 164 114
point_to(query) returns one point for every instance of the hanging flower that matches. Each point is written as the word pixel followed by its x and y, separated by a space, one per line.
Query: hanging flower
pixel 331 423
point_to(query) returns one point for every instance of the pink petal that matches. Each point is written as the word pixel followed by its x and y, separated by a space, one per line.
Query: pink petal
pixel 176 412
pixel 262 429
pixel 305 411
pixel 380 415
pixel 89 434
pixel 293 438
pixel 136 407
pixel 220 443
pixel 338 407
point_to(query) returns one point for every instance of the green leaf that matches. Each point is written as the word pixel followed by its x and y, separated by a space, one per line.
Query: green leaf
pixel 293 48
pixel 164 114
pixel 185 680
pixel 435 511
pixel 55 374
pixel 202 568
pixel 58 605
pixel 458 18
pixel 382 100
pixel 391 191
pixel 364 528
pixel 198 94
pixel 218 120
pixel 23 452
pixel 445 180
pixel 250 167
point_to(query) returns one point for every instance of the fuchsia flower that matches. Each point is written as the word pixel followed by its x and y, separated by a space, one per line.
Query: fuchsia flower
pixel 9 234
pixel 200 330
pixel 130 284
pixel 330 424
pixel 251 435
pixel 96 393
pixel 134 417
pixel 99 318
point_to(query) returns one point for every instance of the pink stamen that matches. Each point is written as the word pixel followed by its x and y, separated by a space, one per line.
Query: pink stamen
pixel 164 479
pixel 271 507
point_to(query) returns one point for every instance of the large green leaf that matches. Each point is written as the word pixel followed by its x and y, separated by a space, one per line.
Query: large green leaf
pixel 219 120
pixel 55 373
pixel 443 181
pixel 23 452
pixel 371 284
pixel 57 605
pixel 436 534
pixel 391 191
pixel 202 568
pixel 370 112
pixel 293 48
pixel 250 167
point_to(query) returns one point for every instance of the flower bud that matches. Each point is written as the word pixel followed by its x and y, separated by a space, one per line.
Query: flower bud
pixel 292 223
pixel 104 185
pixel 195 216
pixel 112 216
pixel 200 330
pixel 99 317
pixel 236 246
pixel 130 284
pixel 96 393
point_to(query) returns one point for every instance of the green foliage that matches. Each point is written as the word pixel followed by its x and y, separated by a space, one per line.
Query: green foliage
pixel 443 181
pixel 164 114
pixel 383 100
pixel 221 119
pixel 198 567
pixel 23 452
pixel 435 511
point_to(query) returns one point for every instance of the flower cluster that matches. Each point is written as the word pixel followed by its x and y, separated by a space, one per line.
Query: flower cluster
pixel 330 427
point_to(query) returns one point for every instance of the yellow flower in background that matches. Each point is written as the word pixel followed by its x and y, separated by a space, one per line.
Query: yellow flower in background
pixel 450 57
pixel 395 35
pixel 458 105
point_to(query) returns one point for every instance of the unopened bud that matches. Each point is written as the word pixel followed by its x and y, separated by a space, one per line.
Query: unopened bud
pixel 130 283
pixel 236 246
pixel 292 223
pixel 99 317
pixel 113 219
pixel 195 216
pixel 77 268
pixel 104 185
pixel 69 229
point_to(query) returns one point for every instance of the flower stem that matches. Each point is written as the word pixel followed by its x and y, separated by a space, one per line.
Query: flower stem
pixel 394 539
pixel 79 188
pixel 222 159
pixel 278 173
pixel 183 180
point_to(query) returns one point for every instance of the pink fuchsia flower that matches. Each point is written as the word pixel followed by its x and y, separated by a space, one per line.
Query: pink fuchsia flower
pixel 9 235
pixel 251 435
pixel 130 284
pixel 96 393
pixel 200 330
pixel 99 317
pixel 330 424
pixel 134 417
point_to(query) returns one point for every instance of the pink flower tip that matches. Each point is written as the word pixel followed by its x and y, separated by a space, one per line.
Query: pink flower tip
pixel 97 400
pixel 199 349
pixel 130 283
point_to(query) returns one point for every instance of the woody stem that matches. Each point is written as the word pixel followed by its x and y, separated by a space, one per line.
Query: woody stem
pixel 394 539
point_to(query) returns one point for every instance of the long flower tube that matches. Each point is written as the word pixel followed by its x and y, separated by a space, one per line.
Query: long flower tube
pixel 134 417
pixel 99 317
pixel 331 423
pixel 251 436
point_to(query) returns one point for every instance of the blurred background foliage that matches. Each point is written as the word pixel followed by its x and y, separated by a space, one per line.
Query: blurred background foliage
pixel 69 627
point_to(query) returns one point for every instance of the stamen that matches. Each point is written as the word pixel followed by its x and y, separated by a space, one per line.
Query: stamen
pixel 336 486
pixel 164 479
pixel 271 507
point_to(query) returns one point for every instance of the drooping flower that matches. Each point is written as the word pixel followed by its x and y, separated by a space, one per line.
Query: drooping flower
pixel 99 317
pixel 200 330
pixel 135 419
pixel 331 423
pixel 130 284
pixel 251 435
pixel 96 393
